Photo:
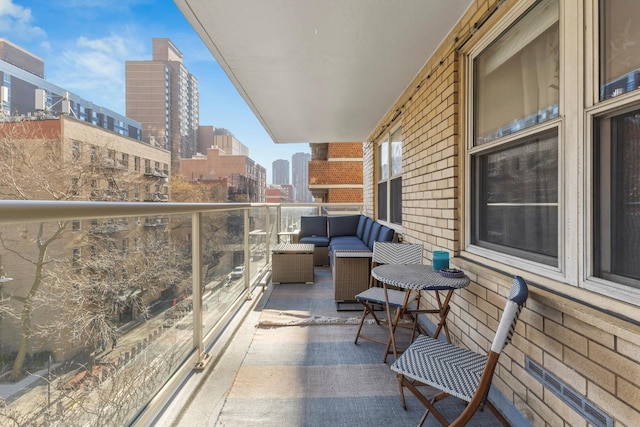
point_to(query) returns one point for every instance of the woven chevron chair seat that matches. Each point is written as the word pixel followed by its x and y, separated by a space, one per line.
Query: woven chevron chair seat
pixel 451 369
pixel 375 295
pixel 457 371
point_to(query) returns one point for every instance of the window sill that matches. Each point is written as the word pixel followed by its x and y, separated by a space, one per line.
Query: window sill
pixel 616 316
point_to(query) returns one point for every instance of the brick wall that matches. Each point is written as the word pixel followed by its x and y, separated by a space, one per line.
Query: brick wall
pixel 344 195
pixel 352 150
pixel 574 334
pixel 327 172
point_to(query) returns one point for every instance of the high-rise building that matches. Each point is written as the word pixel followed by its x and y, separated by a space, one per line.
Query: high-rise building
pixel 280 171
pixel 300 177
pixel 163 96
pixel 25 92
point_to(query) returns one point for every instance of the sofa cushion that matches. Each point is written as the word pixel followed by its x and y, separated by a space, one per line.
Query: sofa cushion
pixel 320 241
pixel 367 230
pixel 386 234
pixel 375 232
pixel 343 225
pixel 361 223
pixel 344 240
pixel 313 226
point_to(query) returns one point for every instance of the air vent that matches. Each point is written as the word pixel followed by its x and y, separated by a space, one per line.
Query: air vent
pixel 594 415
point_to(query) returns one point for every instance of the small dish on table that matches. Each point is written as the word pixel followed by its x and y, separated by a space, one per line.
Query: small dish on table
pixel 452 273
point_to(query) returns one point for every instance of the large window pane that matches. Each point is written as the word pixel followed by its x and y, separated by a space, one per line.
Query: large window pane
pixel 382 201
pixel 383 156
pixel 617 207
pixel 516 199
pixel 396 152
pixel 396 201
pixel 516 78
pixel 389 169
pixel 619 47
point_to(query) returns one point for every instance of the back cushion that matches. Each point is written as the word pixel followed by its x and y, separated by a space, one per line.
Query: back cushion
pixel 367 230
pixel 386 234
pixel 360 230
pixel 313 226
pixel 345 225
pixel 375 231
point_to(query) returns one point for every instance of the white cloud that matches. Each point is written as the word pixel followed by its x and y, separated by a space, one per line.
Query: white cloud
pixel 17 20
pixel 94 69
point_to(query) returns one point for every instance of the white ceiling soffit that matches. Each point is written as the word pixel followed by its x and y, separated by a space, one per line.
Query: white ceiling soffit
pixel 322 70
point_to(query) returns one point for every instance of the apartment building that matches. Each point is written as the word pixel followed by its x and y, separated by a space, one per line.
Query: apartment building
pixel 163 96
pixel 280 172
pixel 25 92
pixel 69 159
pixel 335 172
pixel 246 180
pixel 300 177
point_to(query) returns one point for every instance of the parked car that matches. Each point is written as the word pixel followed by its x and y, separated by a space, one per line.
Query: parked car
pixel 237 272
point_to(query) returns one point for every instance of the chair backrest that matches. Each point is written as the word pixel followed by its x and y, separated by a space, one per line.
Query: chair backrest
pixel 396 253
pixel 517 297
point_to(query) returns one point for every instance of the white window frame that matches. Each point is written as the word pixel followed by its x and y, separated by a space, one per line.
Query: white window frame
pixel 595 110
pixel 386 137
pixel 558 272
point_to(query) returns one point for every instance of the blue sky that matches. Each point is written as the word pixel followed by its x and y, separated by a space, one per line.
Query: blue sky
pixel 85 44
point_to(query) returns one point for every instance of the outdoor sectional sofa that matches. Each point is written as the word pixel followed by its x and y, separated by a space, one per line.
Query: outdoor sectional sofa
pixel 345 243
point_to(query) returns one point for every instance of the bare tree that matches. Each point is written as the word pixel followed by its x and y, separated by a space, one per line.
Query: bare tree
pixel 36 163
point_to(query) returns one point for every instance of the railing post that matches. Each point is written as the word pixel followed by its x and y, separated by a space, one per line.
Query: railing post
pixel 268 233
pixel 196 262
pixel 247 254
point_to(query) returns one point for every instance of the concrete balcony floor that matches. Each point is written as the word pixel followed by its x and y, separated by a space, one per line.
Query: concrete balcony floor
pixel 293 362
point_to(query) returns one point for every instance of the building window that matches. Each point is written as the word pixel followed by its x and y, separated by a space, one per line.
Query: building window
pixel 75 151
pixel 514 152
pixel 617 198
pixel 136 164
pixel 616 146
pixel 75 260
pixel 619 47
pixel 389 176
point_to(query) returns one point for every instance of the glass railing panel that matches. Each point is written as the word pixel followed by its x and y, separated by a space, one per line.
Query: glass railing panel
pixel 223 264
pixel 273 219
pixel 261 229
pixel 94 311
pixel 290 216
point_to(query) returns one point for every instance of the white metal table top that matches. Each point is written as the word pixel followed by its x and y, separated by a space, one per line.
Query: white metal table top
pixel 417 277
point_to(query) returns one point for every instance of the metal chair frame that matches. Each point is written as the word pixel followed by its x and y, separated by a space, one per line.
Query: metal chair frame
pixel 373 297
pixel 456 371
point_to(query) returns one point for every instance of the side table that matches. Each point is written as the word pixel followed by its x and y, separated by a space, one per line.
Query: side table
pixel 292 263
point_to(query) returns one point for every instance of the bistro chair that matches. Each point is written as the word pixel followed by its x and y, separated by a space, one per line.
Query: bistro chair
pixel 373 297
pixel 456 371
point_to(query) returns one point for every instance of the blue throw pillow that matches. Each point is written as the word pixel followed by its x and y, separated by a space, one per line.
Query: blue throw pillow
pixel 344 225
pixel 313 226
pixel 367 230
pixel 375 232
pixel 386 234
pixel 361 223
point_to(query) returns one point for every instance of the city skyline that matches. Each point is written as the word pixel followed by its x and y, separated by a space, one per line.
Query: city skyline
pixel 85 46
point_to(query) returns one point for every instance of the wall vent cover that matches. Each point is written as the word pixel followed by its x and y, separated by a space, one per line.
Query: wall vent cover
pixel 590 412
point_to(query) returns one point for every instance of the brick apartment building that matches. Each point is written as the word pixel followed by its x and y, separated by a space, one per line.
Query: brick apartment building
pixel 335 172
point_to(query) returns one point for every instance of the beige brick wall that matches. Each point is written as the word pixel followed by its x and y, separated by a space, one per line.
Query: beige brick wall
pixel 585 346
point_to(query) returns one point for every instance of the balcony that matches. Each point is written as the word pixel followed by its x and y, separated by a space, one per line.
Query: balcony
pixel 179 310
